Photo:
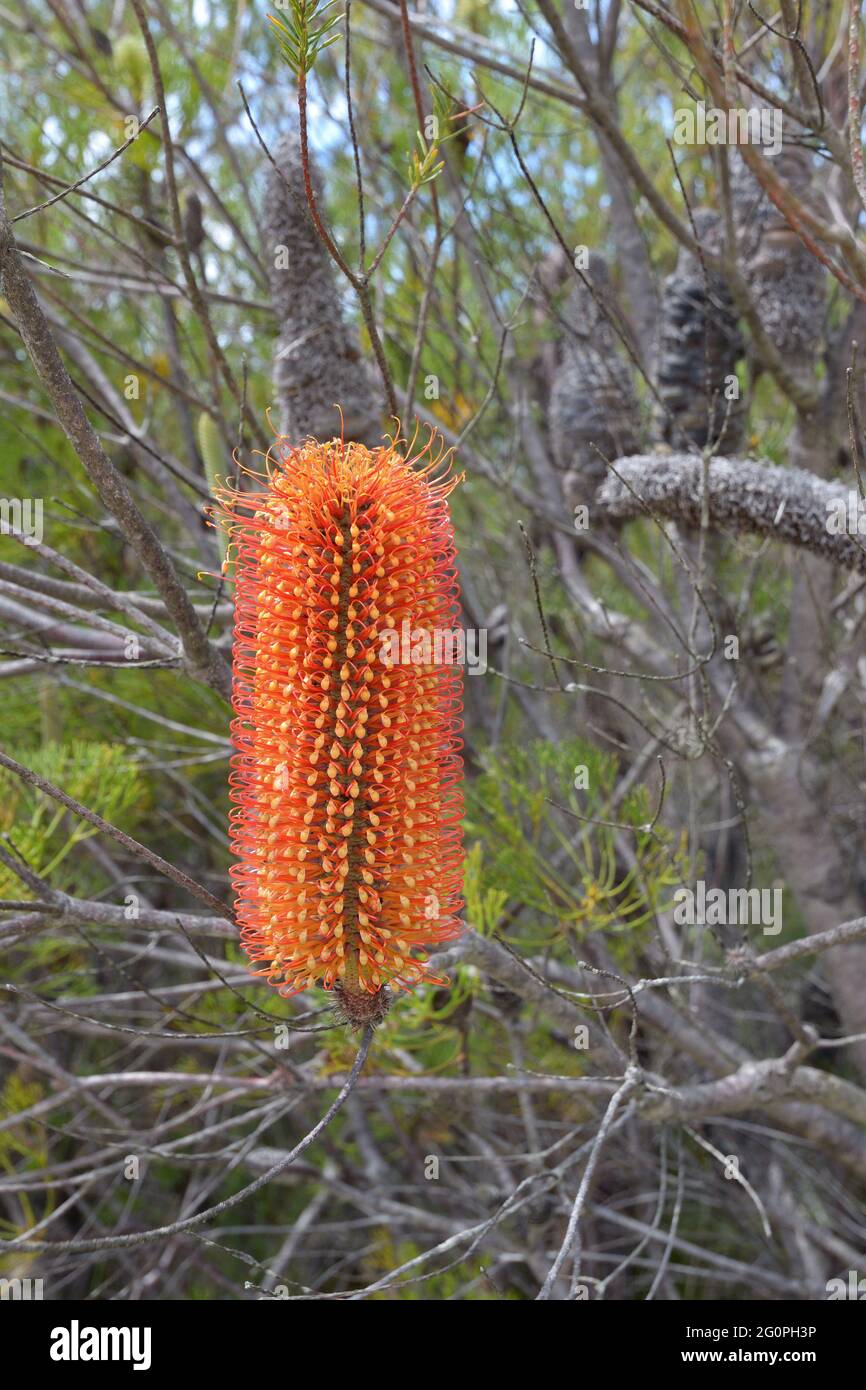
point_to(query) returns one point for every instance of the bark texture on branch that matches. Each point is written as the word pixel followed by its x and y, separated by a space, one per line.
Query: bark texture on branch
pixel 787 504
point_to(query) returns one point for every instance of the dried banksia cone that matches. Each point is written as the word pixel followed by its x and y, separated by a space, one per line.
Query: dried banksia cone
pixel 347 770
pixel 594 412
pixel 699 345
pixel 318 358
pixel 788 283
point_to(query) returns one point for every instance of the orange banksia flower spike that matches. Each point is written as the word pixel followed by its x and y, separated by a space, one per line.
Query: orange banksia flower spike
pixel 347 773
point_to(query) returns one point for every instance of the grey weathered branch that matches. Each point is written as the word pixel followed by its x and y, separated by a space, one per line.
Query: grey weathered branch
pixel 66 910
pixel 843 935
pixel 755 1085
pixel 786 504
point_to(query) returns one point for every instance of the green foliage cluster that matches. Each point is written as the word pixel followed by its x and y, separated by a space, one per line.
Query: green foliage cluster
pixel 99 775
pixel 542 813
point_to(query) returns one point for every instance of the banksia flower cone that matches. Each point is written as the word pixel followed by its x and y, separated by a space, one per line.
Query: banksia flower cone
pixel 347 772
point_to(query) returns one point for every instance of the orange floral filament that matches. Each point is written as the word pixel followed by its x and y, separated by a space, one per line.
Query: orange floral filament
pixel 347 773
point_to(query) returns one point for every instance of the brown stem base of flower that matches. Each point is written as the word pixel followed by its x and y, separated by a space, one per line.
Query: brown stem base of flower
pixel 358 1007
